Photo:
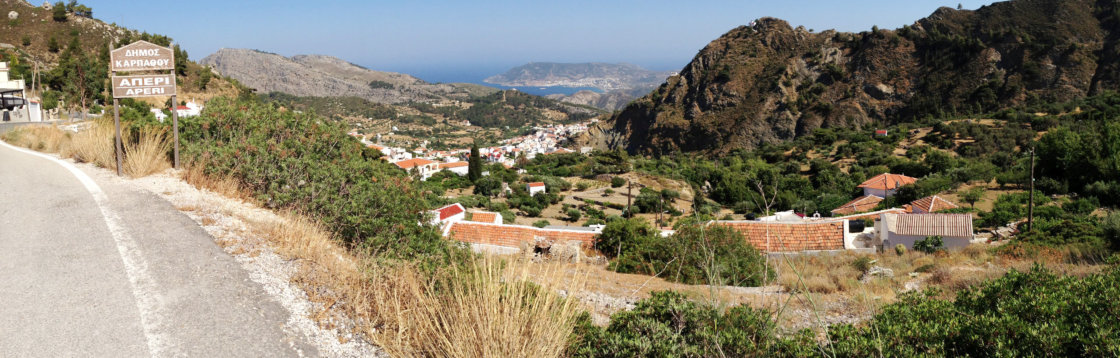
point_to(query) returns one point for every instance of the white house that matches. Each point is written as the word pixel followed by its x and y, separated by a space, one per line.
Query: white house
pixel 190 110
pixel 448 214
pixel 425 168
pixel 886 184
pixel 159 114
pixel 535 187
pixel 461 168
pixel 955 230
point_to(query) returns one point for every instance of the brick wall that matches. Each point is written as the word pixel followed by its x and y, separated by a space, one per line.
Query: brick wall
pixel 513 235
pixel 790 237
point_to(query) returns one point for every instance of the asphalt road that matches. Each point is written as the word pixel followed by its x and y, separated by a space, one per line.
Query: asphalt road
pixel 93 268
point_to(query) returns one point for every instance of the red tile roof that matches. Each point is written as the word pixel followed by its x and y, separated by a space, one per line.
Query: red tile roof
pixel 952 225
pixel 450 210
pixel 770 236
pixel 861 204
pixel 536 184
pixel 887 181
pixel 513 235
pixel 484 217
pixel 932 204
pixel 453 165
pixel 412 163
pixel 874 215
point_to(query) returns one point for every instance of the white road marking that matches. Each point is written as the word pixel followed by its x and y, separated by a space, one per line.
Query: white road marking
pixel 144 288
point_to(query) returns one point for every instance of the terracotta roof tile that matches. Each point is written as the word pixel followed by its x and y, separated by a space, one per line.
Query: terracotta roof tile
pixel 862 204
pixel 450 210
pixel 513 235
pixel 770 236
pixel 412 163
pixel 953 225
pixel 484 217
pixel 932 204
pixel 887 181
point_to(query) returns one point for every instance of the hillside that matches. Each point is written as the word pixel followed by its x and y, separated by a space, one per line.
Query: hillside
pixel 59 47
pixel 325 76
pixel 770 82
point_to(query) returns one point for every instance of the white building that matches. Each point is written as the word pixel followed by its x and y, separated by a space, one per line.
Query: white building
pixel 461 168
pixel 190 110
pixel 535 187
pixel 955 230
pixel 448 214
pixel 423 167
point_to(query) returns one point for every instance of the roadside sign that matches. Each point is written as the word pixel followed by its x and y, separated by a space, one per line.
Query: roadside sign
pixel 143 86
pixel 141 56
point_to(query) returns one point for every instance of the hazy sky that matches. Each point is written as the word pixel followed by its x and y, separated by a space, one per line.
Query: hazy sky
pixel 438 39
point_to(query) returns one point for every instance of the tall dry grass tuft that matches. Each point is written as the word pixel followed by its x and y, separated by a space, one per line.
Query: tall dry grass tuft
pixel 93 145
pixel 41 138
pixel 148 154
pixel 487 309
pixel 194 174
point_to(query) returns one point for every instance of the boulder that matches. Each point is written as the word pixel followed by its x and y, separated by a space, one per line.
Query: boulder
pixel 876 271
pixel 12 15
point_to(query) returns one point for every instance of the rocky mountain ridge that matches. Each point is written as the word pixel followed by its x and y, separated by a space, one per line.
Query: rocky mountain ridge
pixel 769 81
pixel 326 76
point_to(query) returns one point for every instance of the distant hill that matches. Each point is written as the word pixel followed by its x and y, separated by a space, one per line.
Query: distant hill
pixel 613 100
pixel 326 76
pixel 770 82
pixel 604 76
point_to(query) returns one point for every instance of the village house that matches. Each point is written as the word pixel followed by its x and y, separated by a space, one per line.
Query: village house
pixel 955 230
pixel 535 187
pixel 508 239
pixel 448 214
pixel 422 167
pixel 190 110
pixel 885 185
pixel 931 204
pixel 460 168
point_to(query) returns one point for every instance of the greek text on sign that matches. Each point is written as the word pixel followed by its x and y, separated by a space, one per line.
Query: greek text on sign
pixel 141 56
pixel 143 86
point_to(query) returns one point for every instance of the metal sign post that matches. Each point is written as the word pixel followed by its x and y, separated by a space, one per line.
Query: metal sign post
pixel 142 56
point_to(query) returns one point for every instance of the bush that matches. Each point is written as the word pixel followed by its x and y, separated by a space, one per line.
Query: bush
pixel 900 249
pixel 294 161
pixel 929 244
pixel 573 214
pixel 541 223
pixel 624 235
pixel 669 325
pixel 617 182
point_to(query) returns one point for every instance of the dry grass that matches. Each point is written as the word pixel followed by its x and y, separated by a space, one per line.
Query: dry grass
pixel 148 154
pixel 487 309
pixel 93 145
pixel 39 137
pixel 145 156
pixel 194 174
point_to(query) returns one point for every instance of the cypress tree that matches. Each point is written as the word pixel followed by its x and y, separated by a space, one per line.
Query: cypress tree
pixel 474 169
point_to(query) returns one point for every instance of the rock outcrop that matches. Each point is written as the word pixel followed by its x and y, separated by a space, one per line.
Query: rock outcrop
pixel 771 82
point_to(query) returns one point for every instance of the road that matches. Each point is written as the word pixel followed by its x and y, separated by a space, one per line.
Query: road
pixel 93 268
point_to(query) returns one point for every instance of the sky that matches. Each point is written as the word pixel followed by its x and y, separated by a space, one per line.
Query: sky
pixel 445 41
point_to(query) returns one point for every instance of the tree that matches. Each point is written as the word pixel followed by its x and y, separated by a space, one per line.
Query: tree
pixel 52 45
pixel 574 214
pixel 59 12
pixel 971 196
pixel 474 168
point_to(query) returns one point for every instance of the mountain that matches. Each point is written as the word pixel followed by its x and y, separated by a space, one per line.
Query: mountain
pixel 604 76
pixel 613 100
pixel 325 76
pixel 770 82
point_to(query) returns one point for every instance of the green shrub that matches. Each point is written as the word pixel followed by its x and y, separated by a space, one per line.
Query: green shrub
pixel 669 325
pixel 900 249
pixel 541 223
pixel 929 244
pixel 617 182
pixel 300 162
pixel 573 214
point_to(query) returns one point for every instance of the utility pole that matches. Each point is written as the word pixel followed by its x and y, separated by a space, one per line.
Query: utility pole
pixel 629 197
pixel 1030 205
